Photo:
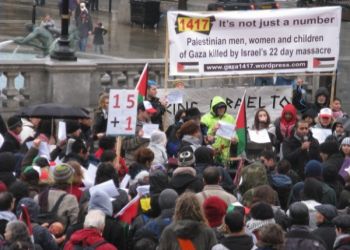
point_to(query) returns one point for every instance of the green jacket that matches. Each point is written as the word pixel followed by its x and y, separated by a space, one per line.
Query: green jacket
pixel 210 120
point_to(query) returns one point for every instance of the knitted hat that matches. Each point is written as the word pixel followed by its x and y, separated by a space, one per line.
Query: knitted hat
pixel 214 210
pixel 345 141
pixel 13 122
pixel 325 112
pixel 100 200
pixel 63 173
pixel 167 199
pixel 32 206
pixel 313 168
pixel 327 210
pixel 186 157
pixel 72 126
pixel 152 83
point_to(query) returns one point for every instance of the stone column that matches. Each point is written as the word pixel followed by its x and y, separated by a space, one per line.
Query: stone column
pixel 10 91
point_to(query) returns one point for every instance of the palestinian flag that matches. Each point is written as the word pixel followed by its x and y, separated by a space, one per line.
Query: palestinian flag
pixel 141 86
pixel 188 67
pixel 324 62
pixel 130 211
pixel 241 125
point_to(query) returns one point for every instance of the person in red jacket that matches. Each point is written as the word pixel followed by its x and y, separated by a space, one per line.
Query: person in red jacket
pixel 91 234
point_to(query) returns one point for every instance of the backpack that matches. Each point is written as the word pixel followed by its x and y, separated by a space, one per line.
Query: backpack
pixel 92 247
pixel 46 216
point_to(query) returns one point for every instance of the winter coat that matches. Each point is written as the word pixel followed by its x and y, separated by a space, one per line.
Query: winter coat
pixel 11 144
pixel 5 217
pixel 87 237
pixel 100 122
pixel 342 242
pixel 184 181
pixel 345 165
pixel 300 238
pixel 334 161
pixel 84 24
pixel 189 140
pixel 157 118
pixel 99 32
pixel 344 199
pixel 282 184
pixel 326 231
pixel 289 125
pixel 69 208
pixel 210 120
pixel 241 242
pixel 215 190
pixel 296 156
pixel 201 236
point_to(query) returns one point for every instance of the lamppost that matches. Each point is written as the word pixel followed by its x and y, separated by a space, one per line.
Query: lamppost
pixel 63 52
pixel 34 12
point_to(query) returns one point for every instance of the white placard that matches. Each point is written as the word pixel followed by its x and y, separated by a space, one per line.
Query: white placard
pixel 89 175
pixel 175 97
pixel 226 130
pixel 62 132
pixel 254 42
pixel 272 98
pixel 122 112
pixel 44 149
pixel 143 190
pixel 320 134
pixel 124 183
pixel 108 187
pixel 259 136
pixel 148 129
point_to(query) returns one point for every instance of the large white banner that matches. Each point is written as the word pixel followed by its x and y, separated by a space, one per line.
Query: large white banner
pixel 272 98
pixel 253 42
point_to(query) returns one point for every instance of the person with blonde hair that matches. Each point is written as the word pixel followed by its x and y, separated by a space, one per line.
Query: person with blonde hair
pixel 189 229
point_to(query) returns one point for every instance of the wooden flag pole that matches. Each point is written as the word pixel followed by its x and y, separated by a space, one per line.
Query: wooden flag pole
pixel 333 86
pixel 166 75
pixel 118 150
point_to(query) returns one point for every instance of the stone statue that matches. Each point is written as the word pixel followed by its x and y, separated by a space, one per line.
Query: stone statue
pixel 44 39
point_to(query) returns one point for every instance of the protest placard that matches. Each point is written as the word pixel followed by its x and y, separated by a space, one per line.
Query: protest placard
pixel 254 42
pixel 108 187
pixel 259 136
pixel 226 130
pixel 62 132
pixel 122 112
pixel 320 134
pixel 148 129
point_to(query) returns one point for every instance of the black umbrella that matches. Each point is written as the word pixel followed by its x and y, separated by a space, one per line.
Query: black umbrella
pixel 53 110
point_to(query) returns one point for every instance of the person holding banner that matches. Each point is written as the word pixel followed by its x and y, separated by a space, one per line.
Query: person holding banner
pixel 157 117
pixel 132 143
pixel 218 113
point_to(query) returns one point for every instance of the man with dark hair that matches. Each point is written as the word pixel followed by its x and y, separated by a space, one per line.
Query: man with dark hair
pixel 211 178
pixel 342 227
pixel 299 237
pixel 158 105
pixel 12 140
pixel 7 203
pixel 268 158
pixel 237 238
pixel 300 147
pixel 79 153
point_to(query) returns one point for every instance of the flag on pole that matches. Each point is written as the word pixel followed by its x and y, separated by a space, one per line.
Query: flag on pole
pixel 26 219
pixel 241 127
pixel 141 86
pixel 130 211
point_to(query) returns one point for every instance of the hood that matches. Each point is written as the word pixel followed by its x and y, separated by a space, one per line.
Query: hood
pixel 7 215
pixel 204 155
pixel 281 180
pixel 322 91
pixel 291 109
pixel 100 200
pixel 187 229
pixel 86 236
pixel 238 242
pixel 158 181
pixel 216 100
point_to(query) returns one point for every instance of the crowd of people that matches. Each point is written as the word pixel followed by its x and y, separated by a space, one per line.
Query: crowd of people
pixel 191 188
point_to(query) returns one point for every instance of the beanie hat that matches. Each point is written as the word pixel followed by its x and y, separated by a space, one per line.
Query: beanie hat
pixel 72 126
pixel 13 122
pixel 167 199
pixel 186 157
pixel 345 141
pixel 63 173
pixel 327 210
pixel 329 147
pixel 313 168
pixel 100 200
pixel 7 162
pixel 214 210
pixel 32 206
pixel 151 83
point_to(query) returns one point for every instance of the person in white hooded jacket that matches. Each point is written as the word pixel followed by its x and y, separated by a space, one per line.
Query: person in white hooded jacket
pixel 157 145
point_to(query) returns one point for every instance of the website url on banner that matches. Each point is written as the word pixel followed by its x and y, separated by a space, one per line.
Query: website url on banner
pixel 255 66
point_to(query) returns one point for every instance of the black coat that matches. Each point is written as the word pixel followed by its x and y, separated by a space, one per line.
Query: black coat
pixel 157 118
pixel 100 123
pixel 326 231
pixel 296 156
pixel 98 35
pixel 10 144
